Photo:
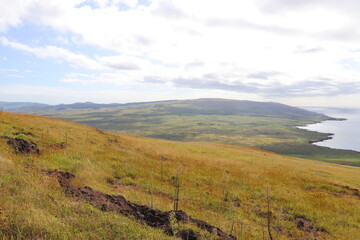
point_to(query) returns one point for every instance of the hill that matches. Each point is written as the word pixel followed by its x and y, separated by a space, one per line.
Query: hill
pixel 204 106
pixel 266 125
pixel 17 106
pixel 233 188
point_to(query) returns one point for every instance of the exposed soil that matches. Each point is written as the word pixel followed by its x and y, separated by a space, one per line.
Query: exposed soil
pixel 188 234
pixel 152 217
pixel 306 226
pixel 22 146
pixel 354 191
pixel 349 191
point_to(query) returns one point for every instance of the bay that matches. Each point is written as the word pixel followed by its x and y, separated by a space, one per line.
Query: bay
pixel 346 133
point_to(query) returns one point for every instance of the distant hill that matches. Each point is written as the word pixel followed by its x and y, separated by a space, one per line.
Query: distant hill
pixel 205 106
pixel 16 106
pixel 267 125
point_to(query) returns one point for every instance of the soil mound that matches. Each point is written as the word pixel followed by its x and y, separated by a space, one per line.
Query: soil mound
pixel 305 225
pixel 152 217
pixel 21 146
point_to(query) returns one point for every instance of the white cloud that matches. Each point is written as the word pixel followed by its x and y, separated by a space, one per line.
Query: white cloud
pixel 8 70
pixel 53 52
pixel 15 76
pixel 57 95
pixel 233 45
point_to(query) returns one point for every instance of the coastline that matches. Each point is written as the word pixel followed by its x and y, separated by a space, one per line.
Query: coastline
pixel 328 136
pixel 334 119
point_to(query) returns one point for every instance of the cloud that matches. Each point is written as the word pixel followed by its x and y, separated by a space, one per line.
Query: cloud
pixel 206 84
pixel 301 50
pixel 12 13
pixel 123 66
pixel 274 49
pixel 53 52
pixel 193 65
pixel 309 88
pixel 122 62
pixel 263 75
pixel 276 6
pixel 9 70
pixel 15 76
pixel 80 60
pixel 57 95
pixel 168 10
pixel 244 24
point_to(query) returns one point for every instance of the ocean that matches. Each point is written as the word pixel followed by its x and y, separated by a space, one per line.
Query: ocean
pixel 346 133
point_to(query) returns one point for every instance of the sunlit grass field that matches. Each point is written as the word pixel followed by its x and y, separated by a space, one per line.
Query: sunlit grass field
pixel 229 186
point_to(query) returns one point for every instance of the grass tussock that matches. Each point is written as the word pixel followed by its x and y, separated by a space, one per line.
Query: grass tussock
pixel 238 189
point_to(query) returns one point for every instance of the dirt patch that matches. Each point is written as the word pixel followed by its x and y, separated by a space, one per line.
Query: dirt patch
pixel 306 225
pixel 353 191
pixel 188 234
pixel 152 217
pixel 338 191
pixel 22 146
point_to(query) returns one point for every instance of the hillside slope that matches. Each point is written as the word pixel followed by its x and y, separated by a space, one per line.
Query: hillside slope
pixel 266 125
pixel 229 186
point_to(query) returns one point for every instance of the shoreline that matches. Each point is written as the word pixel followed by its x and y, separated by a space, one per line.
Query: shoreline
pixel 335 119
pixel 328 136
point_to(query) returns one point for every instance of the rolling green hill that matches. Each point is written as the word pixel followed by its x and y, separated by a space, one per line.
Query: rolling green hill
pixel 265 125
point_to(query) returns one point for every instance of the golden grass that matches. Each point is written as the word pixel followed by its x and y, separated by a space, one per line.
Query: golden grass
pixel 220 183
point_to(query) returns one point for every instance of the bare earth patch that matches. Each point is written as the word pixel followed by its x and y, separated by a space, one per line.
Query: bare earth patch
pixel 22 146
pixel 144 214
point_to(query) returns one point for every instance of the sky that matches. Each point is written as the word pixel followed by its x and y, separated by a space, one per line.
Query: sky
pixel 298 52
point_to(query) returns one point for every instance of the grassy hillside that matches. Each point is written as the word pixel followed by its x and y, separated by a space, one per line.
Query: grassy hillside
pixel 230 186
pixel 269 126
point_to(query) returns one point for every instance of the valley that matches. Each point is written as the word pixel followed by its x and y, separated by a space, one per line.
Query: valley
pixel 268 126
